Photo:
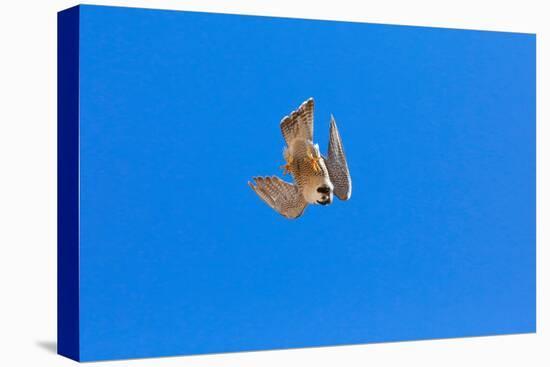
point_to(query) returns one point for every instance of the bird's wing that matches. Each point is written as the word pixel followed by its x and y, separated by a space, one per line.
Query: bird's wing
pixel 282 196
pixel 337 165
pixel 299 124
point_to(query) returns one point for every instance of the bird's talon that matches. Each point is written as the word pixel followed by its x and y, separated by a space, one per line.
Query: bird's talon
pixel 285 168
pixel 315 164
pixel 314 160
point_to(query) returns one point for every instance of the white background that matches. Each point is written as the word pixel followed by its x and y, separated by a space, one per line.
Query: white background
pixel 28 183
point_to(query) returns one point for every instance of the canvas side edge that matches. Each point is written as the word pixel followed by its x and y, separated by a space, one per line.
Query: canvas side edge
pixel 68 284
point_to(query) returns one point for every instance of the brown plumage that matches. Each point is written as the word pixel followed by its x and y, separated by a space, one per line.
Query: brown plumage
pixel 316 177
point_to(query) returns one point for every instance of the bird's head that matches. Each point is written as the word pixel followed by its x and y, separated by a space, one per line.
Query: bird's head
pixel 318 193
pixel 318 190
pixel 323 194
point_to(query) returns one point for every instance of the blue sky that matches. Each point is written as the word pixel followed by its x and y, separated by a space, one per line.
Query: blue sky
pixel 179 110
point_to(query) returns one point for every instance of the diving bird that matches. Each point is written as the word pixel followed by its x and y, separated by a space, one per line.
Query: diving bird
pixel 316 177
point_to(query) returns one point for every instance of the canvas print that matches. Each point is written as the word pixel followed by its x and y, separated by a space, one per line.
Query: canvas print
pixel 233 183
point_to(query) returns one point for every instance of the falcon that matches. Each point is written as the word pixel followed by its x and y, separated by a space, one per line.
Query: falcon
pixel 316 178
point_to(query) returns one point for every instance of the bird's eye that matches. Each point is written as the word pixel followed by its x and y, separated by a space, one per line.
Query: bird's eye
pixel 323 190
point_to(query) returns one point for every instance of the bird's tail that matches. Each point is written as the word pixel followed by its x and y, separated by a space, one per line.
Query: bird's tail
pixel 299 124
